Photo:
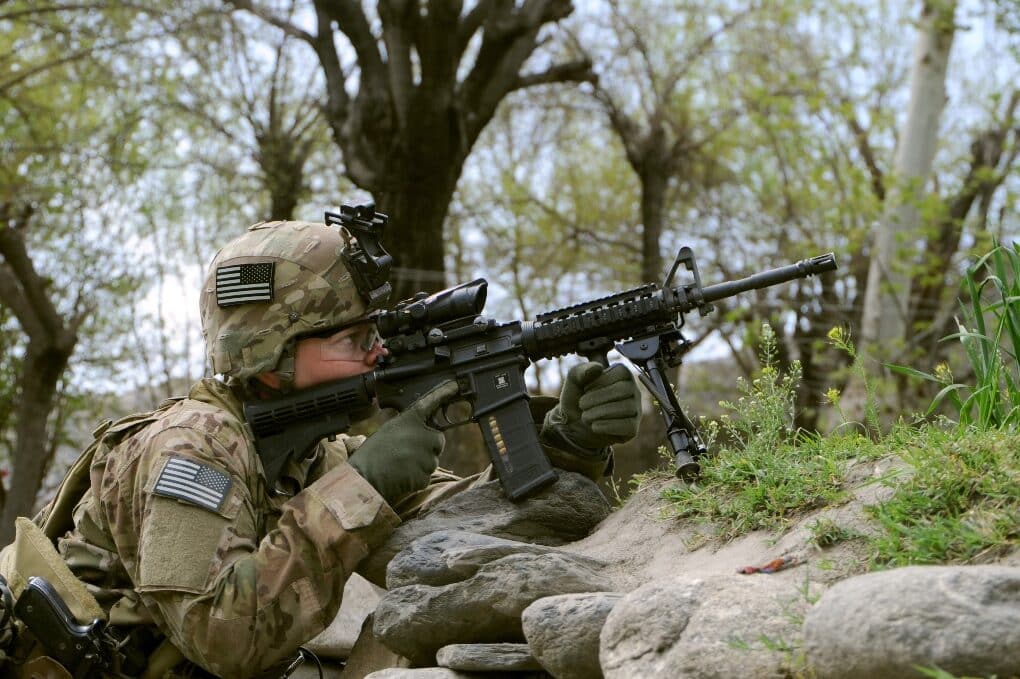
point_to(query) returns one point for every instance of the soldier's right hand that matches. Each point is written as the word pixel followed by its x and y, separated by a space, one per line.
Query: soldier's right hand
pixel 400 457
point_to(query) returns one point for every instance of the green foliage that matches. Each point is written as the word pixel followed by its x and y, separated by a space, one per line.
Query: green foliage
pixel 840 338
pixel 826 532
pixel 764 471
pixel 962 501
pixel 990 338
pixel 959 504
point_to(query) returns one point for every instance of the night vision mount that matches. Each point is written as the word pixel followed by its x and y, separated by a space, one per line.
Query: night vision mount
pixel 365 257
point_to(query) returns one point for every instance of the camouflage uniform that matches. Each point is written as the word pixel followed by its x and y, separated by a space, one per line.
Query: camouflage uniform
pixel 237 590
pixel 239 583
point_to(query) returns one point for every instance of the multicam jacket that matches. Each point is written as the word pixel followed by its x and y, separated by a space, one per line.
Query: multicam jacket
pixel 237 576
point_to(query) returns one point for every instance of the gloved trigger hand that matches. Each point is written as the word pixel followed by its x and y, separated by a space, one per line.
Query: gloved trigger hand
pixel 399 458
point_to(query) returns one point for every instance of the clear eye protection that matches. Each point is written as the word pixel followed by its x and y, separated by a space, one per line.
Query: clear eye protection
pixel 350 344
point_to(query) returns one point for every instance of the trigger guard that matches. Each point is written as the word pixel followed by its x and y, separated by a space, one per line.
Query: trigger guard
pixel 441 419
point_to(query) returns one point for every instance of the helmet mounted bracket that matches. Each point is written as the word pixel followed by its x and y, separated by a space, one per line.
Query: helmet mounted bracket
pixel 364 256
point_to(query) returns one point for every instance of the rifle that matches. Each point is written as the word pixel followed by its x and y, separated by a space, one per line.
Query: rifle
pixel 444 336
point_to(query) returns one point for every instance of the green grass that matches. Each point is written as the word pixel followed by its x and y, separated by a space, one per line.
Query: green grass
pixel 959 504
pixel 825 532
pixel 990 338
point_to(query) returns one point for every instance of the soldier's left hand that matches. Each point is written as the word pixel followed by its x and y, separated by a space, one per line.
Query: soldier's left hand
pixel 597 408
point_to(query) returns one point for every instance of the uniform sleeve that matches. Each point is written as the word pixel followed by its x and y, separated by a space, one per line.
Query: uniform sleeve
pixel 230 602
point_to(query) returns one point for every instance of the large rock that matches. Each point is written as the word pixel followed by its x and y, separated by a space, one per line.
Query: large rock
pixel 449 556
pixel 487 657
pixel 563 632
pixel 564 512
pixel 359 600
pixel 964 620
pixel 369 655
pixel 446 673
pixel 417 620
pixel 717 627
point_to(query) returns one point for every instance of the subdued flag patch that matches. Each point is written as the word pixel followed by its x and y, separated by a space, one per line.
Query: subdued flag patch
pixel 192 482
pixel 244 283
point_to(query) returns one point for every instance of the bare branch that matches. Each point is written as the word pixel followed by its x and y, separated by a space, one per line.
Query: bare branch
pixel 471 23
pixel 868 155
pixel 398 21
pixel 338 102
pixel 572 71
pixel 267 16
pixel 351 21
pixel 35 311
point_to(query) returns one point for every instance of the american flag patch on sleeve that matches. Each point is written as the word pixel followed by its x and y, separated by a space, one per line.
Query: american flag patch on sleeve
pixel 192 482
pixel 244 283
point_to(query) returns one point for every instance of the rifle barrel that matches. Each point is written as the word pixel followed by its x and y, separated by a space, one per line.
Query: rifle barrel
pixel 802 269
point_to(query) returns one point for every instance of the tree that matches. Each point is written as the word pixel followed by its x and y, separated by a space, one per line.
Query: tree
pixel 261 115
pixel 660 101
pixel 427 79
pixel 887 298
pixel 73 136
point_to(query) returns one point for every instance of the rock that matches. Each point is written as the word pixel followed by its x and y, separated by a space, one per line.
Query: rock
pixel 425 673
pixel 718 627
pixel 448 556
pixel 563 632
pixel 370 655
pixel 445 673
pixel 417 620
pixel 310 670
pixel 359 600
pixel 487 657
pixel 564 512
pixel 964 619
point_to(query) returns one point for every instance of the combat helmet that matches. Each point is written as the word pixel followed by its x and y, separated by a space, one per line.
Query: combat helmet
pixel 275 283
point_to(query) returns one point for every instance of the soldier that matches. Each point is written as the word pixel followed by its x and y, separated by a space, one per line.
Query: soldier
pixel 192 558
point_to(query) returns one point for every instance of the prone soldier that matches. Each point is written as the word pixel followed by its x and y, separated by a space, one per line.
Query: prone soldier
pixel 167 544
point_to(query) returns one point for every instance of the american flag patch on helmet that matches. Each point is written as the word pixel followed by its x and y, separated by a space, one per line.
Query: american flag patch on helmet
pixel 195 483
pixel 244 283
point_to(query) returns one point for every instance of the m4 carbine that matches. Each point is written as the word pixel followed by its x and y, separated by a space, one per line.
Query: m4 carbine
pixel 444 336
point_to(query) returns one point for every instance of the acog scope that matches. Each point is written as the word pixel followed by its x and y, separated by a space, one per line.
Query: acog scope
pixel 425 311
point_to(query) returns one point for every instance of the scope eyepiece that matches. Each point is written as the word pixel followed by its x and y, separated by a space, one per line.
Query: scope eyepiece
pixel 422 311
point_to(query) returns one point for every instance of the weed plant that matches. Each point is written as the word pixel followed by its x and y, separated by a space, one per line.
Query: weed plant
pixel 990 337
pixel 959 504
pixel 763 471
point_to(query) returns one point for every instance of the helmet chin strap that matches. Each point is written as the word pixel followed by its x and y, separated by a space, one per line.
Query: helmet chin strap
pixel 254 389
pixel 285 368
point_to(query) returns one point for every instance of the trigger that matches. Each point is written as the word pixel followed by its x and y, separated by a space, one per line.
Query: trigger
pixel 457 413
pixel 440 420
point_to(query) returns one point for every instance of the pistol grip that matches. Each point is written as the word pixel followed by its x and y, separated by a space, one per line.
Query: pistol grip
pixel 48 618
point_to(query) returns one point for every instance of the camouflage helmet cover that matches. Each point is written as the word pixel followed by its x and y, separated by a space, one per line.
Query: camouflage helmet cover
pixel 312 292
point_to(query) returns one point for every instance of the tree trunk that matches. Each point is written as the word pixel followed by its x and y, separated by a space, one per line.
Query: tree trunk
pixel 653 206
pixel 883 330
pixel 416 112
pixel 417 208
pixel 41 372
pixel 51 341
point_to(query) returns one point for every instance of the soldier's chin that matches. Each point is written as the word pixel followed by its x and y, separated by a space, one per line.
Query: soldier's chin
pixel 364 413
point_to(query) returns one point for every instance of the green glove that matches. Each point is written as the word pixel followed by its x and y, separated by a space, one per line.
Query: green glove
pixel 597 408
pixel 400 457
